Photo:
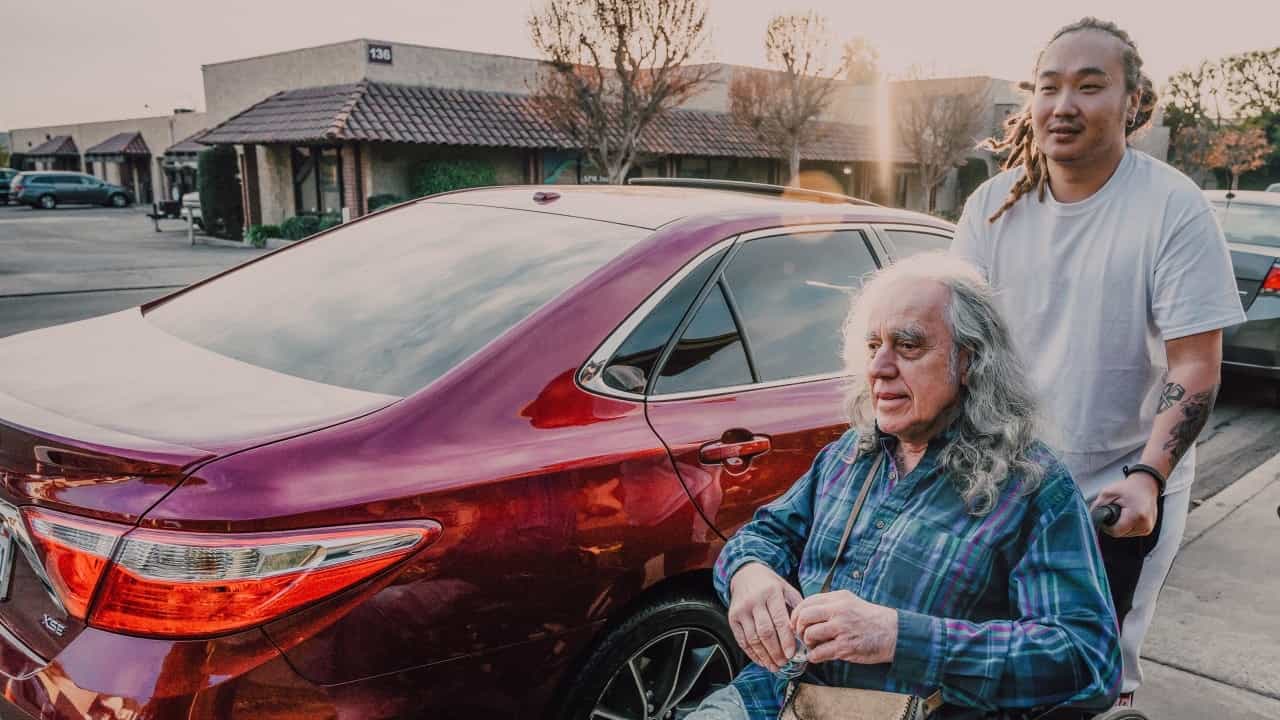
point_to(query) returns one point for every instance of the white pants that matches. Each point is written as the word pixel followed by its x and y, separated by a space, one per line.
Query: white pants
pixel 723 704
pixel 1092 478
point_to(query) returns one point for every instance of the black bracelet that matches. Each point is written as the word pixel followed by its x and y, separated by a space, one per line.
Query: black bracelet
pixel 1139 467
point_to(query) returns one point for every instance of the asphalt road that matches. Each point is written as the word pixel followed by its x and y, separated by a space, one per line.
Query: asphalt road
pixel 70 264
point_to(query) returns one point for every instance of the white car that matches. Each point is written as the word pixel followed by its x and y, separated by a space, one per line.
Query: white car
pixel 1273 187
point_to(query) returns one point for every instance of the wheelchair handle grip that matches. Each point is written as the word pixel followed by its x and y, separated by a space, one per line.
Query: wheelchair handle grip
pixel 1105 515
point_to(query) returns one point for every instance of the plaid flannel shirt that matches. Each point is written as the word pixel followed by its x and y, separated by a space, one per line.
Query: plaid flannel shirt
pixel 1005 612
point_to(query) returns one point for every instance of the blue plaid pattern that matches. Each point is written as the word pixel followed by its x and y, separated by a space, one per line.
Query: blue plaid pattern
pixel 1005 612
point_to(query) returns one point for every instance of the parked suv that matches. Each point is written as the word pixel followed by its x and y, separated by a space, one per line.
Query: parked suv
pixel 47 190
pixel 6 176
pixel 471 456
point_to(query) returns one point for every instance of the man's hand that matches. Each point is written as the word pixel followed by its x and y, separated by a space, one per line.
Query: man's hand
pixel 1138 496
pixel 758 600
pixel 842 626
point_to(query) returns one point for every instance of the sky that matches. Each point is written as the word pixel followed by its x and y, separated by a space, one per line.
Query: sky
pixel 89 60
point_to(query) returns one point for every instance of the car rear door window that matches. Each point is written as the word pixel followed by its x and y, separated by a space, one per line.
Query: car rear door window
pixel 631 367
pixel 792 293
pixel 911 242
pixel 709 354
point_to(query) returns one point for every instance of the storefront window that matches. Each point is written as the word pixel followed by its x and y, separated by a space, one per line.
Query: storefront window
pixel 317 180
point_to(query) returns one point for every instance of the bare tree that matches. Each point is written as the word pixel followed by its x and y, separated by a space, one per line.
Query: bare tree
pixel 614 66
pixel 861 61
pixel 938 125
pixel 782 105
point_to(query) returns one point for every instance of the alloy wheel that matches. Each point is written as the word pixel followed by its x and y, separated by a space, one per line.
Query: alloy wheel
pixel 666 679
pixel 48 203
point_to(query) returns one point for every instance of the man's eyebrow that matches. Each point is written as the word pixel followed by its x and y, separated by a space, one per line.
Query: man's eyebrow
pixel 911 333
pixel 1082 72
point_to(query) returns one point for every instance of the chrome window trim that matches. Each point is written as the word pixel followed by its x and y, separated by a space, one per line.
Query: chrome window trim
pixel 590 377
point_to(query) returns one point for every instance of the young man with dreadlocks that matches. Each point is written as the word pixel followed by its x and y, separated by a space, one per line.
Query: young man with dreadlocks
pixel 1117 283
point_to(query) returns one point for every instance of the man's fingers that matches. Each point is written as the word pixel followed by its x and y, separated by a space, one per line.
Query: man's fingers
pixel 792 596
pixel 819 633
pixel 782 625
pixel 769 637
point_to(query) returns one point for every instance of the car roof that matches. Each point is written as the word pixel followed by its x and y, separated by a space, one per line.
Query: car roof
pixel 652 207
pixel 1253 197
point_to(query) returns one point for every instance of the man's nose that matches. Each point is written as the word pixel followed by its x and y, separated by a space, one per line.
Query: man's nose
pixel 882 363
pixel 1065 104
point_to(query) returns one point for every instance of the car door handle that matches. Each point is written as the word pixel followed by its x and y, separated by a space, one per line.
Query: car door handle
pixel 733 454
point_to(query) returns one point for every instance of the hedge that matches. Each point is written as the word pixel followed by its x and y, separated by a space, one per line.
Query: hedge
pixel 220 206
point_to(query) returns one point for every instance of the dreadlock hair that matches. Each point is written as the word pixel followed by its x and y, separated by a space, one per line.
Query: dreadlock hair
pixel 1019 139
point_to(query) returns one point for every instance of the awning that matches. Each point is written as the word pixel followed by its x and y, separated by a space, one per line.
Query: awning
pixel 385 112
pixel 117 147
pixel 56 146
pixel 189 145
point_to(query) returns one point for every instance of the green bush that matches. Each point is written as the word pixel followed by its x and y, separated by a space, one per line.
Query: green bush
pixel 328 221
pixel 219 186
pixel 299 226
pixel 381 200
pixel 445 175
pixel 257 234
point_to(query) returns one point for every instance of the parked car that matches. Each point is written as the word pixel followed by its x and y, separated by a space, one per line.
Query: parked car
pixel 1250 220
pixel 46 190
pixel 6 176
pixel 1273 187
pixel 473 456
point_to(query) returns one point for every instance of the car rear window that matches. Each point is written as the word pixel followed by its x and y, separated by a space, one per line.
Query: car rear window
pixel 392 303
pixel 1251 224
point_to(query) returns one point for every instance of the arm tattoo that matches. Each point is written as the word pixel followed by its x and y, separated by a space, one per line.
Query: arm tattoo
pixel 1173 392
pixel 1195 413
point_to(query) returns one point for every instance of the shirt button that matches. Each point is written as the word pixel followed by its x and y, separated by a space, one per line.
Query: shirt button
pixel 879 524
pixel 857 574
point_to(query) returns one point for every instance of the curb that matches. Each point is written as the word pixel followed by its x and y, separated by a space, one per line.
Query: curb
pixel 1216 508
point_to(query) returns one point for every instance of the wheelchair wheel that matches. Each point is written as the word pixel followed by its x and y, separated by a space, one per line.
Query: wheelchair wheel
pixel 1122 714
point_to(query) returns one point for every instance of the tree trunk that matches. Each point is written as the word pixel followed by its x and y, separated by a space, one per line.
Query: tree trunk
pixel 794 168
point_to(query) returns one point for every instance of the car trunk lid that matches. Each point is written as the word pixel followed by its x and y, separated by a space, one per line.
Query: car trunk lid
pixel 1251 263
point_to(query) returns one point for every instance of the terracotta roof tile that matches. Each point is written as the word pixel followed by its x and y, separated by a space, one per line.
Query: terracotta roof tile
pixel 188 144
pixel 125 143
pixel 54 146
pixel 384 112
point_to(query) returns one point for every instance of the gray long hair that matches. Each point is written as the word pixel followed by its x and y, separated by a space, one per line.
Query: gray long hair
pixel 996 418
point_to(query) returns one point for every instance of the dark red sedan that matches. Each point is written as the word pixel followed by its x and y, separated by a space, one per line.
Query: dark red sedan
pixel 473 456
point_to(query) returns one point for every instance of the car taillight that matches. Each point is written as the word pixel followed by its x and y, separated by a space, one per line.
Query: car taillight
pixel 182 584
pixel 1271 285
pixel 74 551
pixel 17 187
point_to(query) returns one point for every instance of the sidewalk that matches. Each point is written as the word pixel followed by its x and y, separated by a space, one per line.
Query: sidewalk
pixel 1214 647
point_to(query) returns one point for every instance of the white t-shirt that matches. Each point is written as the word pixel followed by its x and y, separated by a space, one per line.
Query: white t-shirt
pixel 1092 289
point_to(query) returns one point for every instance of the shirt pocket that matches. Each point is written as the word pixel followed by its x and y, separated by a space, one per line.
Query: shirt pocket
pixel 930 570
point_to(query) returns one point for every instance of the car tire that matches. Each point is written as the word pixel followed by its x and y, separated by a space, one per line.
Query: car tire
pixel 47 202
pixel 687 626
pixel 118 200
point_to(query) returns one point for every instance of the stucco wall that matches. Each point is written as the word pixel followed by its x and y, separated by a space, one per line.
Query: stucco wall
pixel 159 132
pixel 231 87
pixel 440 67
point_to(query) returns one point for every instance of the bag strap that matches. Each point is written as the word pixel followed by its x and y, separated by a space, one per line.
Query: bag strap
pixel 853 517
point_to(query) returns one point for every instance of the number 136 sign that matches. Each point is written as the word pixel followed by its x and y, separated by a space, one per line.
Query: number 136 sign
pixel 380 54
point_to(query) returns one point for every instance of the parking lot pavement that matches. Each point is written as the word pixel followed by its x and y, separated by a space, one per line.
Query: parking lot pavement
pixel 72 263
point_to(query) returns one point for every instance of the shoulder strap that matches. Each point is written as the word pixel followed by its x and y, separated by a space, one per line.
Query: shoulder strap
pixel 853 517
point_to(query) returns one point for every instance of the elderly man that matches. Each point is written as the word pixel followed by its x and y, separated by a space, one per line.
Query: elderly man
pixel 972 567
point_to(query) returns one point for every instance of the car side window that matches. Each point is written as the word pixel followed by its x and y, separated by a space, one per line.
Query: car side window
pixel 631 366
pixel 792 294
pixel 709 354
pixel 908 242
